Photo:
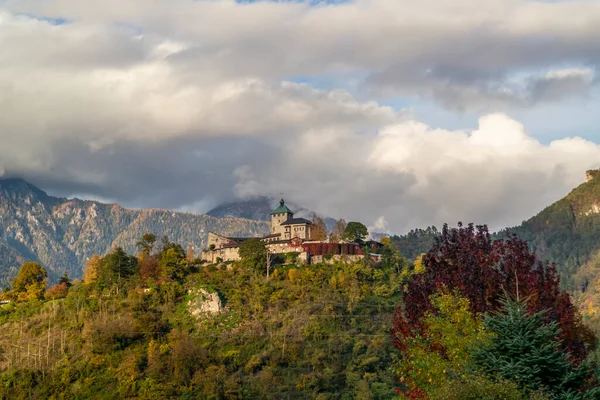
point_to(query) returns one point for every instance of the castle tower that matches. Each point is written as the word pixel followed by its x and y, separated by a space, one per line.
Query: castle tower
pixel 280 215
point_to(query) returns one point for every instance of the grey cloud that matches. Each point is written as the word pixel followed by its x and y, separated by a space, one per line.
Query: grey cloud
pixel 183 104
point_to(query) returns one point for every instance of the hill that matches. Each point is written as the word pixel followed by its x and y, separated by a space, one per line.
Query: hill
pixel 63 233
pixel 208 332
pixel 567 232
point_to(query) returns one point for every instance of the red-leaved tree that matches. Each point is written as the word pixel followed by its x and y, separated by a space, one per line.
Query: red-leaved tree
pixel 482 270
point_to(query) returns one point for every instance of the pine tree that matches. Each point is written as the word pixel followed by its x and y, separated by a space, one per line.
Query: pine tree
pixel 65 279
pixel 526 351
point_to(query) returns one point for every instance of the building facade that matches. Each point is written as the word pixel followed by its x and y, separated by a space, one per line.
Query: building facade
pixel 286 235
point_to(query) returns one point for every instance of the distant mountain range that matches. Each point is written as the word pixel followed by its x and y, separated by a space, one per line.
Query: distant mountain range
pixel 259 208
pixel 62 233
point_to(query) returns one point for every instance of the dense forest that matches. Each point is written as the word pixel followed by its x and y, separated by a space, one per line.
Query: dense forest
pixel 160 324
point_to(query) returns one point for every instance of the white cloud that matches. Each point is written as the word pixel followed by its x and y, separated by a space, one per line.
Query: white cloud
pixel 412 175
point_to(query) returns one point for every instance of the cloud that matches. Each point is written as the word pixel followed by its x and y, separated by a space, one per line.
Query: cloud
pixel 456 52
pixel 414 175
pixel 184 104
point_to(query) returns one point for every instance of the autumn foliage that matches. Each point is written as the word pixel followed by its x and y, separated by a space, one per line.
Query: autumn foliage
pixel 58 291
pixel 466 260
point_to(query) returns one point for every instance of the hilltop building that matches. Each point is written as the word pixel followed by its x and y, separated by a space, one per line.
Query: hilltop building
pixel 286 235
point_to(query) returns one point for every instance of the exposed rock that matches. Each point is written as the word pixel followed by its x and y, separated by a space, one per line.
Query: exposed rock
pixel 204 302
pixel 594 209
pixel 62 234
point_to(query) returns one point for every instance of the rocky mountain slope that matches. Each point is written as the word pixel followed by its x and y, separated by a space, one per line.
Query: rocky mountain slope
pixel 62 233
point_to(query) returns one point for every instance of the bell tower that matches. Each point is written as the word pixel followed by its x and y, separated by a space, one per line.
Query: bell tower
pixel 279 216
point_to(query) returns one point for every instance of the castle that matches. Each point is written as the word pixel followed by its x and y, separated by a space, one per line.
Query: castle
pixel 286 235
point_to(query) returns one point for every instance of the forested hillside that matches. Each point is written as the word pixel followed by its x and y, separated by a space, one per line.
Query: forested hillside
pixel 567 232
pixel 161 326
pixel 62 234
pixel 415 242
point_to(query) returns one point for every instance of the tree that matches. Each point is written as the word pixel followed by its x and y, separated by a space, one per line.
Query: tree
pixel 117 265
pixel 29 284
pixel 355 232
pixel 58 291
pixel 146 244
pixel 466 259
pixel 391 256
pixel 65 279
pixel 254 253
pixel 172 261
pixel 92 268
pixel 338 231
pixel 148 268
pixel 431 361
pixel 318 230
pixel 527 351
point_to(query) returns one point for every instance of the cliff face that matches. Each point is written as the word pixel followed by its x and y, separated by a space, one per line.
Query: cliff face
pixel 62 234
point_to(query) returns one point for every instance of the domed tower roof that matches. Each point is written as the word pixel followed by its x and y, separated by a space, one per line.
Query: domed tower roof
pixel 282 209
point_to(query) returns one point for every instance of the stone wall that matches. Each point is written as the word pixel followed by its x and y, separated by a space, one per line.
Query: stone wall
pixel 225 254
pixel 280 248
pixel 217 240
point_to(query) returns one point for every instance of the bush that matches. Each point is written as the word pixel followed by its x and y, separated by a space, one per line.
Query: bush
pixel 291 257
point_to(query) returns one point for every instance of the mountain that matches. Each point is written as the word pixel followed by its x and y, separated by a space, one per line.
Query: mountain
pixel 568 231
pixel 260 208
pixel 257 208
pixel 63 233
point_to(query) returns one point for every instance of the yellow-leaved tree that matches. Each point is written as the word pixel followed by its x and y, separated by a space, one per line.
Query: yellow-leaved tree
pixel 92 266
pixel 29 284
pixel 431 362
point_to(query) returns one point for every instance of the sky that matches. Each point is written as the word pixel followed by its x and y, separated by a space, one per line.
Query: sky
pixel 397 113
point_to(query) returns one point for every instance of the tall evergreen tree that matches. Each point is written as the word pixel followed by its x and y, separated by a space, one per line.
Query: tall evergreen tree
pixel 526 351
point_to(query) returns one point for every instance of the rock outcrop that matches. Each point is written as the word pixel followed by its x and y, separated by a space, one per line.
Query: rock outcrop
pixel 591 174
pixel 204 303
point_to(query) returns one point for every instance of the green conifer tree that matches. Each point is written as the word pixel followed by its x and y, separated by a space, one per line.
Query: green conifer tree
pixel 526 351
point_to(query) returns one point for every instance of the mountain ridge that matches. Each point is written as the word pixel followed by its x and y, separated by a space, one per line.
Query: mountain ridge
pixel 63 233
